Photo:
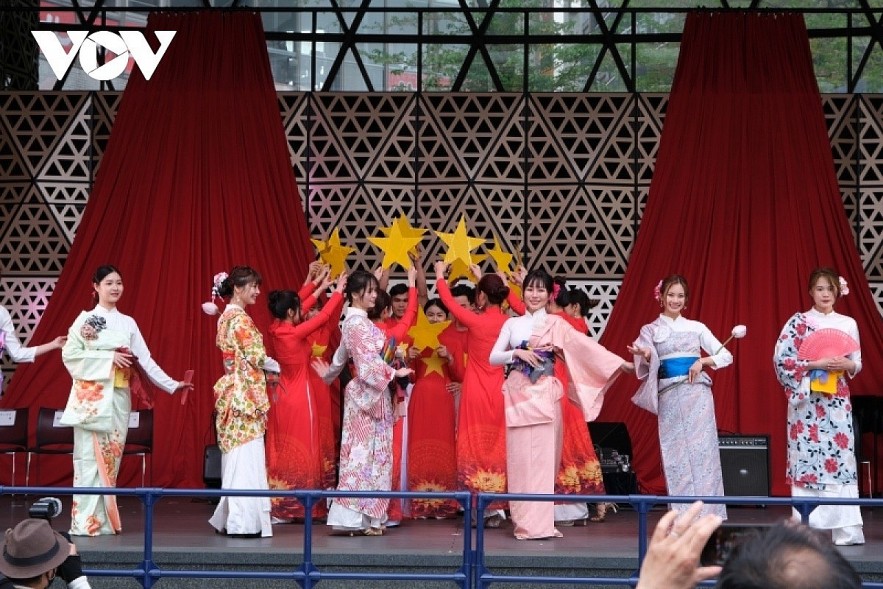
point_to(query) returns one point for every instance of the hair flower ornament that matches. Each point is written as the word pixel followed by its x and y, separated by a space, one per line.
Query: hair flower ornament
pixel 209 307
pixel 844 286
pixel 657 292
pixel 738 333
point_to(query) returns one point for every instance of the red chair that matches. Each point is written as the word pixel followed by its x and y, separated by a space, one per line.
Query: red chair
pixel 139 441
pixel 51 436
pixel 14 437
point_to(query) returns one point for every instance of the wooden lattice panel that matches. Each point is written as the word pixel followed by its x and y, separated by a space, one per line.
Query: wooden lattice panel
pixel 104 110
pixel 870 196
pixel 25 299
pixel 294 109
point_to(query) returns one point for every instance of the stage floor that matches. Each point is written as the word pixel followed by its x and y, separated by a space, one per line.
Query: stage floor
pixel 183 537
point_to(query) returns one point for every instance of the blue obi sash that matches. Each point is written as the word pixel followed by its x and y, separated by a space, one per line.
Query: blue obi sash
pixel 672 367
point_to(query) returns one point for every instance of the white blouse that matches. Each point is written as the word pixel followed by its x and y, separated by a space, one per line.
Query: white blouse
pixel 13 347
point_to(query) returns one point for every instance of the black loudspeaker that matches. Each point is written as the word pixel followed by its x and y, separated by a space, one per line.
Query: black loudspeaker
pixel 211 467
pixel 745 463
pixel 619 479
pixel 612 434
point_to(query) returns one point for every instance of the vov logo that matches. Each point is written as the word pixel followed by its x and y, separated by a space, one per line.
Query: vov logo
pixel 86 46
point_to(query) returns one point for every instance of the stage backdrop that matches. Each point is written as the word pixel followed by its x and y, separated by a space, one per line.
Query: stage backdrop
pixel 196 179
pixel 744 203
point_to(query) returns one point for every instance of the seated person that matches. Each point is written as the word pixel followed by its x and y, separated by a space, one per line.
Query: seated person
pixel 32 554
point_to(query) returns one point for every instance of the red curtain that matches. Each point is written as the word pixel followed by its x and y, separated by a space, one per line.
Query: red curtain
pixel 196 178
pixel 744 202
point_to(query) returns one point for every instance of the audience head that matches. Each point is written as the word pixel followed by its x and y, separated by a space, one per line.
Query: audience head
pixel 31 553
pixel 787 556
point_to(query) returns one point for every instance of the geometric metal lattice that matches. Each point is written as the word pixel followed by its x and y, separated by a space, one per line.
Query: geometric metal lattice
pixel 560 178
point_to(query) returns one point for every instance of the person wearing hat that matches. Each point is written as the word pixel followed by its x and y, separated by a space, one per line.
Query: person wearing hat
pixel 32 554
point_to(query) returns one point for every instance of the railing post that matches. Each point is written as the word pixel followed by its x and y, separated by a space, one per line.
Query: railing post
pixel 147 565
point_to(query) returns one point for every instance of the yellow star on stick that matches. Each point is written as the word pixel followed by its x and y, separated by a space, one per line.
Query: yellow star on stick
pixel 460 245
pixel 332 252
pixel 399 240
pixel 501 258
pixel 424 333
pixel 434 364
pixel 460 270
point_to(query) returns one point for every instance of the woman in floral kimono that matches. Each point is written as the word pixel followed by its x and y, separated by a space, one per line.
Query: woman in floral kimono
pixel 103 346
pixel 532 396
pixel 821 458
pixel 241 406
pixel 366 443
pixel 668 358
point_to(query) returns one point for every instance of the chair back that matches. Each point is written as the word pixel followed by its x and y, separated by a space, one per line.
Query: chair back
pixel 140 437
pixel 52 438
pixel 14 430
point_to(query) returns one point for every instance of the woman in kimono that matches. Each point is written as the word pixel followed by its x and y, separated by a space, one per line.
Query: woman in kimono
pixel 296 453
pixel 241 407
pixel 481 427
pixel 668 358
pixel 532 395
pixel 432 446
pixel 366 443
pixel 821 457
pixel 103 350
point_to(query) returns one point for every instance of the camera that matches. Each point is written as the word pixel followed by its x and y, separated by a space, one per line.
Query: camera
pixel 725 540
pixel 45 508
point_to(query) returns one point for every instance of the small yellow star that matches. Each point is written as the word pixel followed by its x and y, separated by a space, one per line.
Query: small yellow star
pixel 332 252
pixel 501 258
pixel 319 350
pixel 424 333
pixel 434 364
pixel 397 243
pixel 460 245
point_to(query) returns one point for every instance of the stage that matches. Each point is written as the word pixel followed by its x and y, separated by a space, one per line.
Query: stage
pixel 183 539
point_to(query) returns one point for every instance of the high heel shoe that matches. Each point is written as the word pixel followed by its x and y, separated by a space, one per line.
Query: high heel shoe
pixel 601 510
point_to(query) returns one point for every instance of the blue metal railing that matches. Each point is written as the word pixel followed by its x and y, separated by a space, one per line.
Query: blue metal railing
pixel 472 572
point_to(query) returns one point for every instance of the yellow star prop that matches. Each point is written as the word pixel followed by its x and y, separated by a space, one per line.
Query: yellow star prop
pixel 434 364
pixel 332 252
pixel 397 243
pixel 459 269
pixel 318 350
pixel 424 333
pixel 460 244
pixel 501 258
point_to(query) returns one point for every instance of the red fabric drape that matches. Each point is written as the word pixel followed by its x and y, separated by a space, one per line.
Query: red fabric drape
pixel 196 179
pixel 744 202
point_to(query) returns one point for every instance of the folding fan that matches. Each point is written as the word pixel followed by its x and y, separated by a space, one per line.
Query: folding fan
pixel 827 343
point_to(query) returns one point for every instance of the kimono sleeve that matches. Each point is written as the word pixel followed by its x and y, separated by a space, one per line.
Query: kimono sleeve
pixel 370 367
pixel 789 369
pixel 83 362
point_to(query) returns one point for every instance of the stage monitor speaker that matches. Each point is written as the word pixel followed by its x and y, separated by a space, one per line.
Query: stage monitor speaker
pixel 745 462
pixel 612 434
pixel 211 467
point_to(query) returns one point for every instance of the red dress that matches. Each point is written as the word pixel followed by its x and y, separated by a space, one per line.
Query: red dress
pixel 294 446
pixel 432 456
pixel 580 471
pixel 481 426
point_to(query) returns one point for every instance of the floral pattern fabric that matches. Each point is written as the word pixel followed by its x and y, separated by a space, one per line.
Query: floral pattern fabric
pixel 366 445
pixel 241 401
pixel 820 433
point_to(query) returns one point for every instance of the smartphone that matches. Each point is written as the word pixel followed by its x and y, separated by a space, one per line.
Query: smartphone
pixel 725 539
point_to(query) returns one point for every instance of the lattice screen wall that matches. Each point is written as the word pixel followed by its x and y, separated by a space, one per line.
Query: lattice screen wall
pixel 562 178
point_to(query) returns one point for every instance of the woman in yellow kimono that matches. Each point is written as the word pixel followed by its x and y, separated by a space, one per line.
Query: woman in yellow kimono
pixel 241 406
pixel 101 349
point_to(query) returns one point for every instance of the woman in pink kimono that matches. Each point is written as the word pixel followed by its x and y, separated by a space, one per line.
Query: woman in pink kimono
pixel 101 352
pixel 532 394
pixel 366 443
pixel 821 441
pixel 668 357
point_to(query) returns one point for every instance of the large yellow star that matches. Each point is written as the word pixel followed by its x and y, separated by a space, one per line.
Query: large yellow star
pixel 424 333
pixel 434 364
pixel 398 243
pixel 460 245
pixel 459 269
pixel 332 252
pixel 501 258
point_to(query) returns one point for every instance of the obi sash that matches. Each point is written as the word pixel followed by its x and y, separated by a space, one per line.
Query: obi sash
pixel 672 367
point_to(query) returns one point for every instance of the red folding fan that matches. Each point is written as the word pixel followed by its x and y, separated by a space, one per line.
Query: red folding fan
pixel 827 343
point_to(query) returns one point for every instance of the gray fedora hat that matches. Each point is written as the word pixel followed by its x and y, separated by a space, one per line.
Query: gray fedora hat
pixel 32 548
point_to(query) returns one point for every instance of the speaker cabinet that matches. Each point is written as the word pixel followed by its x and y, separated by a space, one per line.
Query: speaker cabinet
pixel 745 462
pixel 211 467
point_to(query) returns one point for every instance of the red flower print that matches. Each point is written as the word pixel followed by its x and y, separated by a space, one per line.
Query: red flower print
pixel 842 440
pixel 809 478
pixel 820 412
pixel 799 426
pixel 814 433
pixel 831 465
pixel 792 432
pixel 798 341
pixel 801 328
pixel 789 363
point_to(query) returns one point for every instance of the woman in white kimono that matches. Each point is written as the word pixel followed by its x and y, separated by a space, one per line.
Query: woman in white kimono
pixel 366 443
pixel 668 358
pixel 532 396
pixel 821 457
pixel 102 349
